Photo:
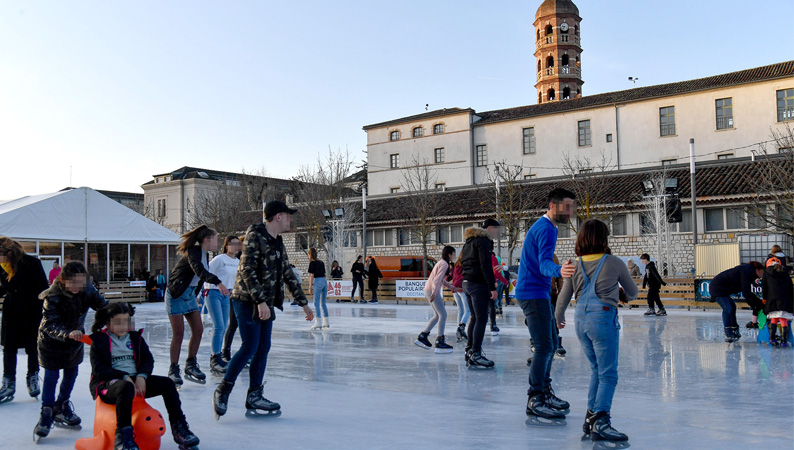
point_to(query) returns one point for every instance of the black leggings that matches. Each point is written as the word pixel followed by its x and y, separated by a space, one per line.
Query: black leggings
pixel 653 297
pixel 360 283
pixel 230 330
pixel 121 393
pixel 478 298
pixel 10 360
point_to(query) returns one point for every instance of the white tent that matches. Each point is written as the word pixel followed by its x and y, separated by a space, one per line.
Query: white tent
pixel 79 215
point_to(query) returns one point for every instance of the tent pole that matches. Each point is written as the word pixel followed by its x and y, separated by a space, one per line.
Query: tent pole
pixel 129 247
pixel 107 261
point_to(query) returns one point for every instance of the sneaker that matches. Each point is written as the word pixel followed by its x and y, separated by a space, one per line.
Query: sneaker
pixel 650 312
pixel 662 312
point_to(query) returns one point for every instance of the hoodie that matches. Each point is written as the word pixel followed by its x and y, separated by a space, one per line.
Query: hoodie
pixel 476 258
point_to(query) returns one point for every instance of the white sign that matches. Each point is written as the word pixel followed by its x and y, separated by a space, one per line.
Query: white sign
pixel 411 288
pixel 137 284
pixel 340 288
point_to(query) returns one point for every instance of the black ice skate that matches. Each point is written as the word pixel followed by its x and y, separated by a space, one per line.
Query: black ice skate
pixel 588 423
pixel 494 330
pixel 442 346
pixel 784 336
pixel 173 374
pixel 63 416
pixel 258 406
pixel 7 390
pixel 602 430
pixel 477 360
pixel 33 385
pixel 649 312
pixel 772 335
pixel 423 342
pixel 555 402
pixel 663 312
pixel 125 439
pixel 561 350
pixel 183 437
pixel 736 334
pixel 44 426
pixel 193 373
pixel 220 400
pixel 460 334
pixel 217 365
pixel 540 413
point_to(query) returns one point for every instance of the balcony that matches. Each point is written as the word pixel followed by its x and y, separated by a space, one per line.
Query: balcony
pixel 562 38
pixel 562 71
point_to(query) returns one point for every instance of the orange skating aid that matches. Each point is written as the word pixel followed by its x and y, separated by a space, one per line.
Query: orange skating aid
pixel 147 422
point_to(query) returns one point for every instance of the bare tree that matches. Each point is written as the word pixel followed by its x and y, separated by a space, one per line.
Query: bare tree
pixel 321 187
pixel 420 207
pixel 221 207
pixel 590 185
pixel 773 183
pixel 151 212
pixel 653 220
pixel 511 203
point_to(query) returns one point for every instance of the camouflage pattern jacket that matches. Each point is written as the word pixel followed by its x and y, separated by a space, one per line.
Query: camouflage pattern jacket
pixel 264 269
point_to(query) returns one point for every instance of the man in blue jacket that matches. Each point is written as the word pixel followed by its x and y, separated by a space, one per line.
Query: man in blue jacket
pixel 533 292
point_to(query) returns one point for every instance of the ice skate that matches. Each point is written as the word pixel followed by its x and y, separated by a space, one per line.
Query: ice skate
pixel 423 342
pixel 63 416
pixel 193 373
pixel 258 406
pixel 494 330
pixel 442 346
pixel 33 385
pixel 183 437
pixel 736 334
pixel 326 325
pixel 555 402
pixel 220 399
pixel 539 407
pixel 773 341
pixel 173 374
pixel 609 445
pixel 784 336
pixel 649 312
pixel 729 335
pixel 125 439
pixel 217 365
pixel 317 325
pixel 602 430
pixel 44 426
pixel 226 353
pixel 460 333
pixel 663 312
pixel 7 390
pixel 588 423
pixel 561 350
pixel 477 360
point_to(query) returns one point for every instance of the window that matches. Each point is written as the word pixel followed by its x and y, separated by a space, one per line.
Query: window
pixel 588 170
pixel 609 137
pixel 482 156
pixel 416 238
pixel 714 219
pixel 647 225
pixel 404 236
pixel 755 217
pixel 619 225
pixel 441 186
pixel 668 162
pixel 584 133
pixel 379 238
pixel 449 234
pixel 725 156
pixel 685 226
pixel 302 242
pixel 418 132
pixel 563 230
pixel 667 121
pixel 394 136
pixel 161 210
pixel 350 239
pixel 394 160
pixel 724 113
pixel 394 190
pixel 529 141
pixel 438 128
pixel 529 176
pixel 439 155
pixel 785 105
pixel 734 218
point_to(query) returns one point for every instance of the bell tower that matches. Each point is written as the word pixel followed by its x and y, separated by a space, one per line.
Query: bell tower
pixel 558 51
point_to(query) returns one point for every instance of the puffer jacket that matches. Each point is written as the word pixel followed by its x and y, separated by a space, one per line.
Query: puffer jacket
pixel 102 371
pixel 186 267
pixel 476 258
pixel 64 312
pixel 777 288
pixel 22 307
pixel 264 269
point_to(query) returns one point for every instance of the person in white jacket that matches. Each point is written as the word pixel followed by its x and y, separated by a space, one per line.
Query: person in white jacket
pixel 224 266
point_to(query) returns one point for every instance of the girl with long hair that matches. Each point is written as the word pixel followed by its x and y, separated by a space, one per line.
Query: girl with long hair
pixel 435 282
pixel 596 283
pixel 66 303
pixel 22 279
pixel 121 368
pixel 180 298
pixel 225 267
pixel 319 287
pixel 358 271
pixel 374 275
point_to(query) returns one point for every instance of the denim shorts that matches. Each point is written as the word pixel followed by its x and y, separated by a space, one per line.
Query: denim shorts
pixel 185 304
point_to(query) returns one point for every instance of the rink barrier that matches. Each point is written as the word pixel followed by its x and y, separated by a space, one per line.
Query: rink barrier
pixel 121 291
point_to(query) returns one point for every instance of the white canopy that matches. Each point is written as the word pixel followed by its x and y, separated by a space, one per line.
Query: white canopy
pixel 79 215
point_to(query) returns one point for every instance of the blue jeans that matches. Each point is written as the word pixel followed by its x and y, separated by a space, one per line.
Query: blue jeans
pixel 218 305
pixel 598 330
pixel 543 330
pixel 255 347
pixel 461 299
pixel 728 311
pixel 51 380
pixel 500 288
pixel 320 294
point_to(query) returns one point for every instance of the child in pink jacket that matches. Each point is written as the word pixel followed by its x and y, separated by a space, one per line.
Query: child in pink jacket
pixel 435 282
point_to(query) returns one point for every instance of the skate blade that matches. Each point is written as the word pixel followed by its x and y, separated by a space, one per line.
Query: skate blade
pixel 419 344
pixel 604 445
pixel 477 367
pixel 64 426
pixel 448 350
pixel 196 380
pixel 494 333
pixel 536 421
pixel 6 400
pixel 36 438
pixel 185 447
pixel 258 413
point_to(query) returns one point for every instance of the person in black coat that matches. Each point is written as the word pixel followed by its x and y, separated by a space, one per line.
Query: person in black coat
pixel 22 279
pixel 66 303
pixel 374 275
pixel 778 292
pixel 740 279
pixel 654 282
pixel 358 272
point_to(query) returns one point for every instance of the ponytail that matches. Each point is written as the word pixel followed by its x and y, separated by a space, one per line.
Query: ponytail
pixel 103 315
pixel 193 237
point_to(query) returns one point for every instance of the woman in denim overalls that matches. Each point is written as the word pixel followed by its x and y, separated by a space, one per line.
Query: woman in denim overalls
pixel 596 283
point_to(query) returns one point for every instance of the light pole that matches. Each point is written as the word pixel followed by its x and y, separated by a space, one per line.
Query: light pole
pixel 634 79
pixel 364 217
pixel 694 204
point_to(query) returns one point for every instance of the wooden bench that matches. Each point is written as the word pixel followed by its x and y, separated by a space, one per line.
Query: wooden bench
pixel 121 291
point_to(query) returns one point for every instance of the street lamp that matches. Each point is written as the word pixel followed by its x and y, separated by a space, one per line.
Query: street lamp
pixel 327 213
pixel 364 217
pixel 634 79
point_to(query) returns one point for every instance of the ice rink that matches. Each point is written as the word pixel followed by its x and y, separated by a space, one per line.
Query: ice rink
pixel 363 384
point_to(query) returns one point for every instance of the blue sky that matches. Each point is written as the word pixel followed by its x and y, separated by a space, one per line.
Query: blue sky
pixel 122 90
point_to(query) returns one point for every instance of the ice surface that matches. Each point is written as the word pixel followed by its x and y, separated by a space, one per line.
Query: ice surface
pixel 364 384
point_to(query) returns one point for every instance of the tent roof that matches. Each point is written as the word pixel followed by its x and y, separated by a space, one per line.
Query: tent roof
pixel 78 215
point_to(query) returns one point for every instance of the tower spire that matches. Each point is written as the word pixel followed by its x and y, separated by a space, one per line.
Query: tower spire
pixel 558 51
